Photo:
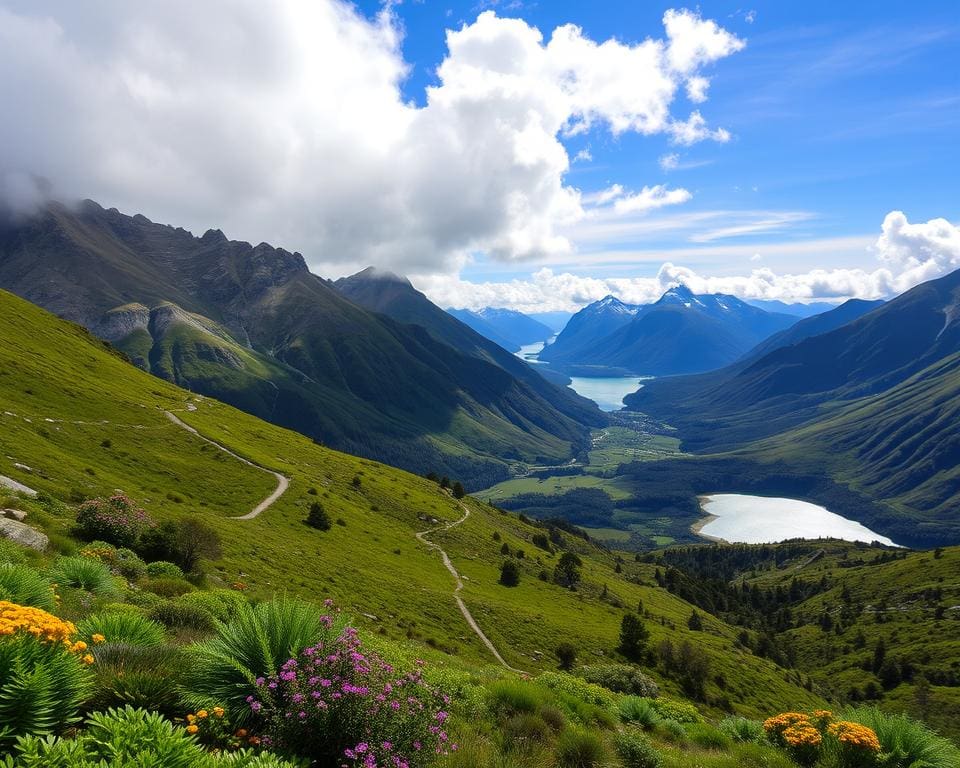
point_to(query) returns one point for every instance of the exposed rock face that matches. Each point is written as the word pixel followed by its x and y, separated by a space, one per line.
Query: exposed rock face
pixel 23 534
pixel 14 514
pixel 121 322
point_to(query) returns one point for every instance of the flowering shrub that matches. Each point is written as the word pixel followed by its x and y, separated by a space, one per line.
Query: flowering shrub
pixel 678 711
pixel 117 520
pixel 797 734
pixel 338 705
pixel 43 675
pixel 859 745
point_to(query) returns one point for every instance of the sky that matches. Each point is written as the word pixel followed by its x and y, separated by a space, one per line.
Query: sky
pixel 533 155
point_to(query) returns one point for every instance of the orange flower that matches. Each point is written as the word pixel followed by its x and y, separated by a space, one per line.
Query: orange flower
pixel 98 638
pixel 218 711
pixel 192 729
pixel 87 658
pixel 241 732
pixel 855 735
pixel 201 713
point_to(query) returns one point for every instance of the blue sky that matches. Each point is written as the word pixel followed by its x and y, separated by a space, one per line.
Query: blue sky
pixel 778 150
pixel 839 113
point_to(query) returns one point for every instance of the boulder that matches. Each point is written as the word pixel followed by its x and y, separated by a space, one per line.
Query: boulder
pixel 14 514
pixel 23 534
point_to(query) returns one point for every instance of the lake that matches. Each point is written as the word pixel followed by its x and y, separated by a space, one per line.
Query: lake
pixel 529 352
pixel 606 391
pixel 742 519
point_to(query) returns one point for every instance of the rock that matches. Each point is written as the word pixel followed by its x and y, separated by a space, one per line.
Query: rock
pixel 13 485
pixel 23 467
pixel 23 534
pixel 14 514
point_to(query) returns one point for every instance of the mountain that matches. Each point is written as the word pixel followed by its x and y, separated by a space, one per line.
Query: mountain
pixel 515 327
pixel 681 333
pixel 472 320
pixel 590 325
pixel 395 297
pixel 252 326
pixel 555 321
pixel 874 403
pixel 797 309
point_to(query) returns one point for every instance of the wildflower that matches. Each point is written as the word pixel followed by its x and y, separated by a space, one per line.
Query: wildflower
pixel 98 638
pixel 192 728
pixel 87 658
pixel 218 711
pixel 202 713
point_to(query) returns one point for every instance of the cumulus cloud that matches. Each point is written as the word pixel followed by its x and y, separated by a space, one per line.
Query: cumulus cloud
pixel 650 198
pixel 909 254
pixel 286 122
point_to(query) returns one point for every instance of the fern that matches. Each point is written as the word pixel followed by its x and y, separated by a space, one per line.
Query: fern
pixel 84 573
pixel 122 627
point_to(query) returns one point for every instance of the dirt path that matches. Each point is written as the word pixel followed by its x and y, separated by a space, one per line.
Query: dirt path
pixel 422 537
pixel 282 482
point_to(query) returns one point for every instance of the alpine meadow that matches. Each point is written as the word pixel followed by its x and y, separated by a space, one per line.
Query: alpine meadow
pixel 499 385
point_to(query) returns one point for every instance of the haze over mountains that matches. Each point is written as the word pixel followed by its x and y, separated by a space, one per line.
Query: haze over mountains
pixel 681 333
pixel 507 327
pixel 253 327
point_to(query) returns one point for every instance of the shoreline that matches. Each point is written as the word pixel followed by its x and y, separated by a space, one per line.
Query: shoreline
pixel 697 527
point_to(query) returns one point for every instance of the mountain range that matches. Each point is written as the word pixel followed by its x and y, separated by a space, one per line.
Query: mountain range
pixel 681 333
pixel 508 328
pixel 252 326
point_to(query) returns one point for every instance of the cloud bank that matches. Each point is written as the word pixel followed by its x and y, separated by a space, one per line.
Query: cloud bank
pixel 285 122
pixel 909 254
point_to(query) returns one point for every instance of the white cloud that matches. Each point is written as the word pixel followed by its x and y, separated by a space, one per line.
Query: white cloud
pixel 697 89
pixel 285 121
pixel 670 162
pixel 909 253
pixel 772 221
pixel 650 198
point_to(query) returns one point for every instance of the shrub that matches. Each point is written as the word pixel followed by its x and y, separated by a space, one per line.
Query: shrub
pixel 580 749
pixel 672 730
pixel 222 604
pixel 83 573
pixel 179 616
pixel 621 678
pixel 43 675
pixel 678 711
pixel 567 571
pixel 117 520
pixel 566 656
pixel 166 587
pixel 128 564
pixel 129 628
pixel 247 758
pixel 742 730
pixel 162 569
pixel 906 742
pixel 184 542
pixel 707 737
pixel 579 689
pixel 639 711
pixel 510 697
pixel 458 490
pixel 136 675
pixel 510 574
pixel 526 728
pixel 317 517
pixel 635 751
pixel 336 704
pixel 252 645
pixel 11 552
pixel 25 586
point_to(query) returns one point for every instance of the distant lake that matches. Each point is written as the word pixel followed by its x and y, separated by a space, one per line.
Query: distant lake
pixel 742 519
pixel 529 352
pixel 607 391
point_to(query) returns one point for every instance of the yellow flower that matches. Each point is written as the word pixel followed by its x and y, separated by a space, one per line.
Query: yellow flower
pixel 87 658
pixel 34 621
pixel 201 713
pixel 855 735
pixel 218 711
pixel 192 729
pixel 191 718
pixel 79 646
pixel 98 638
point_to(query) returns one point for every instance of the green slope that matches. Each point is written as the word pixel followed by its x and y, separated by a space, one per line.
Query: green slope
pixel 87 423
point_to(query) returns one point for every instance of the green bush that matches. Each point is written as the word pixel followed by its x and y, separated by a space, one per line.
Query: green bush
pixel 253 644
pixel 167 587
pixel 581 749
pixel 126 627
pixel 23 585
pixel 635 751
pixel 679 711
pixel 128 564
pixel 742 730
pixel 175 615
pixel 639 711
pixel 708 737
pixel 139 676
pixel 672 731
pixel 41 687
pixel 12 553
pixel 83 573
pixel 222 604
pixel 579 689
pixel 621 678
pixel 185 542
pixel 510 697
pixel 905 742
pixel 247 758
pixel 526 728
pixel 117 520
pixel 161 569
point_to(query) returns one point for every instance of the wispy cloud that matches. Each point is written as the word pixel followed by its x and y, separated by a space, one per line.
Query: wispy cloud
pixel 769 222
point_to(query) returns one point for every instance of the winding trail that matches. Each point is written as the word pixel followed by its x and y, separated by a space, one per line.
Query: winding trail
pixel 422 537
pixel 282 482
